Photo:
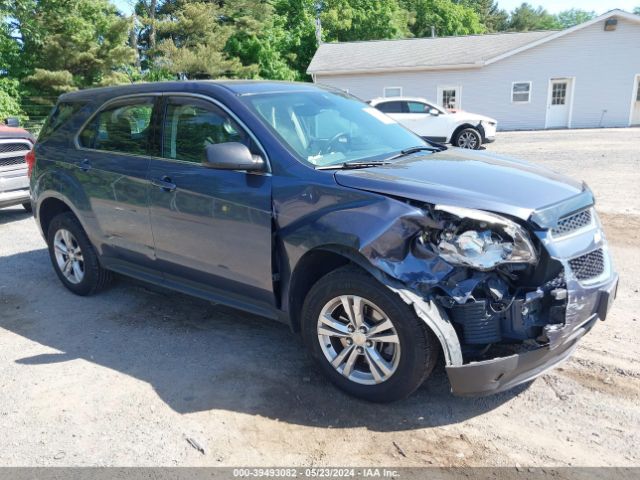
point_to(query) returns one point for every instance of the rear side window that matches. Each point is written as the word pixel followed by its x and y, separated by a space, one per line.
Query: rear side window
pixel 60 114
pixel 390 107
pixel 124 127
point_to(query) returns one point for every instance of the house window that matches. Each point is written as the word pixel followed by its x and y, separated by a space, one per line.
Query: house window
pixel 521 92
pixel 449 98
pixel 392 91
pixel 559 93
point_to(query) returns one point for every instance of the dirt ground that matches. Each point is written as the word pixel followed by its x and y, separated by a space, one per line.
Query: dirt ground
pixel 131 376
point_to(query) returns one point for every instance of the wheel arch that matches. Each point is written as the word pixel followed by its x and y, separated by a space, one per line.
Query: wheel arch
pixel 311 267
pixel 461 127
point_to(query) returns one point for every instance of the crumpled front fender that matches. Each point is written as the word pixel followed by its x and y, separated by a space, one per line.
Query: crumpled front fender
pixel 381 233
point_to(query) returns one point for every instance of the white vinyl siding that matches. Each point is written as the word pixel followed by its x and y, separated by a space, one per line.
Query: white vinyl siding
pixel 603 64
pixel 520 92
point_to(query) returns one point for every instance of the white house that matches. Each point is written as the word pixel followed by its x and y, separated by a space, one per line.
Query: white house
pixel 582 77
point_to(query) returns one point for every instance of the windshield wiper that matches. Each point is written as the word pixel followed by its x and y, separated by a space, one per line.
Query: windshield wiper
pixel 348 165
pixel 412 150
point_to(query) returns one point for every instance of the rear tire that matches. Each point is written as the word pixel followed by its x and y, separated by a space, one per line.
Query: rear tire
pixel 73 257
pixel 469 138
pixel 367 366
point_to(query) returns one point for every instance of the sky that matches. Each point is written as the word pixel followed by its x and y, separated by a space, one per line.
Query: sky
pixel 555 6
pixel 552 6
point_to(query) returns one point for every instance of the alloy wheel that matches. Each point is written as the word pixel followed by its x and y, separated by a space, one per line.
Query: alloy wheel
pixel 467 139
pixel 68 256
pixel 358 339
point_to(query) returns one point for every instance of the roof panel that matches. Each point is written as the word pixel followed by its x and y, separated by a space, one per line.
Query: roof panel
pixel 438 52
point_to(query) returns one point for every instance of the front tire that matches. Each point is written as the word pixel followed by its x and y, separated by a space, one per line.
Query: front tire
pixel 468 138
pixel 73 257
pixel 365 339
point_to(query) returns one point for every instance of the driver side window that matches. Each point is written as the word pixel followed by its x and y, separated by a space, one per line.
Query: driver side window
pixel 190 125
pixel 417 107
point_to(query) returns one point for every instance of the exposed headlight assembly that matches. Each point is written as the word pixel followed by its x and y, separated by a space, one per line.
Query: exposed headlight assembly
pixel 482 240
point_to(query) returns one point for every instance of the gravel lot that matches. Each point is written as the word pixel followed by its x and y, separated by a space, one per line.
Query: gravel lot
pixel 128 376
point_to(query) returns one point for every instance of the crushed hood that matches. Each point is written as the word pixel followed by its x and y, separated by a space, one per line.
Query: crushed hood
pixel 466 179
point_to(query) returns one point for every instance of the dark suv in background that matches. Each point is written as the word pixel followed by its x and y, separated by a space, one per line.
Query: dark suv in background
pixel 304 205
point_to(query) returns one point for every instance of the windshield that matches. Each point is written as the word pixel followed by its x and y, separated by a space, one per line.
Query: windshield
pixel 325 128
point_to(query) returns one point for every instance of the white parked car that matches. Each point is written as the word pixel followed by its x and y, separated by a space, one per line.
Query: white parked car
pixel 461 129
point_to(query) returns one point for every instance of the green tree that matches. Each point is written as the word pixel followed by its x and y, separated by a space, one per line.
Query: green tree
pixel 489 13
pixel 447 17
pixel 259 38
pixel 193 41
pixel 69 44
pixel 10 99
pixel 636 10
pixel 348 20
pixel 526 18
pixel 574 16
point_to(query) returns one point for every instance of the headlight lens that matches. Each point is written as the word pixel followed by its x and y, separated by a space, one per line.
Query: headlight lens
pixel 482 240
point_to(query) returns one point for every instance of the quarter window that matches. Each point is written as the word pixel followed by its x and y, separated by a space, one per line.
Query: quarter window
pixel 191 125
pixel 521 92
pixel 59 116
pixel 124 128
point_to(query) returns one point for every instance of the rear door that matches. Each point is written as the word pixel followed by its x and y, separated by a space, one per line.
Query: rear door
pixel 112 165
pixel 212 228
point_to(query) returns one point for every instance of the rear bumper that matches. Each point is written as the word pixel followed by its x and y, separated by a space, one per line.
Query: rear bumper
pixel 499 374
pixel 14 197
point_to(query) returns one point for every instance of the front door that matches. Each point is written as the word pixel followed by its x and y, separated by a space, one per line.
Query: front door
pixel 426 121
pixel 211 228
pixel 635 113
pixel 559 103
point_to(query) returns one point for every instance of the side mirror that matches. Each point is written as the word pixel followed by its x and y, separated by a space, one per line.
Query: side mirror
pixel 12 122
pixel 433 112
pixel 232 156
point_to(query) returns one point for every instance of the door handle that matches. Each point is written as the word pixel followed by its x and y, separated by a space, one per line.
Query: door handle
pixel 164 183
pixel 85 165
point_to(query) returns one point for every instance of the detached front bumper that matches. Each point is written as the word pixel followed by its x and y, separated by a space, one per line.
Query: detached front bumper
pixel 499 374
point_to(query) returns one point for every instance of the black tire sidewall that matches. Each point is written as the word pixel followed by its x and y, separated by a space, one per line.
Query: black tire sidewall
pixel 418 350
pixel 91 265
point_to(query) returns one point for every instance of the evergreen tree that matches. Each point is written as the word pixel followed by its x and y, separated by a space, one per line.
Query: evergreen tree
pixel 526 18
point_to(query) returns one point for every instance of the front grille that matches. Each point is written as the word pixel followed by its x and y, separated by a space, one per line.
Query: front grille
pixel 14 147
pixel 589 265
pixel 572 222
pixel 7 162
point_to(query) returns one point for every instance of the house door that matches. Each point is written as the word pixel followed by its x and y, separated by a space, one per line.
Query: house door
pixel 449 98
pixel 635 112
pixel 559 103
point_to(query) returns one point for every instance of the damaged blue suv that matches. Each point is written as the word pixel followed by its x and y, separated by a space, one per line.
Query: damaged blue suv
pixel 304 205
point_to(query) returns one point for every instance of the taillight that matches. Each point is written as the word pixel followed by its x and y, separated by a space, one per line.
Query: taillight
pixel 30 158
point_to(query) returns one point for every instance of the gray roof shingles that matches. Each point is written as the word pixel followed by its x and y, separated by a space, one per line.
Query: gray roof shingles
pixel 438 52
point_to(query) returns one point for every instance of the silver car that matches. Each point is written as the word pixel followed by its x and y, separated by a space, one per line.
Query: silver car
pixel 15 143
